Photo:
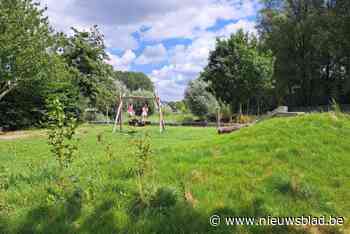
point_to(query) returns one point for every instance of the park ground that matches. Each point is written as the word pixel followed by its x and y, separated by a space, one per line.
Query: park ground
pixel 278 167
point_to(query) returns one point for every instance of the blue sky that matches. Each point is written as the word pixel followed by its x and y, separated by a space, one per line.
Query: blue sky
pixel 168 40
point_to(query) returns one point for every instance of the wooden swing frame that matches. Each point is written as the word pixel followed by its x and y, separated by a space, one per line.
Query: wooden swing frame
pixel 122 98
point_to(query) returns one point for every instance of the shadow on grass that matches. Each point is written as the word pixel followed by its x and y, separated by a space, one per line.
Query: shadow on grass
pixel 53 219
pixel 180 218
pixel 129 132
pixel 3 224
pixel 183 218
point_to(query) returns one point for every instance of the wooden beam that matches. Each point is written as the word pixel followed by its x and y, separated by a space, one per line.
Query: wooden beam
pixel 226 130
pixel 121 118
pixel 161 117
pixel 218 119
pixel 118 114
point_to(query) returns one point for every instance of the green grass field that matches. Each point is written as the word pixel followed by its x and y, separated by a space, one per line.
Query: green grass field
pixel 279 167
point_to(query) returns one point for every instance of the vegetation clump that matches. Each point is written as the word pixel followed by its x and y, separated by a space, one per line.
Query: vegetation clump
pixel 61 135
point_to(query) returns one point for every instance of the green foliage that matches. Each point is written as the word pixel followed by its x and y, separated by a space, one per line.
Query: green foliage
pixel 179 106
pixel 135 81
pixel 310 40
pixel 26 105
pixel 293 186
pixel 121 88
pixel 201 103
pixel 85 52
pixel 167 110
pixel 164 198
pixel 29 82
pixel 144 165
pixel 61 135
pixel 226 113
pixel 4 180
pixel 238 71
pixel 24 34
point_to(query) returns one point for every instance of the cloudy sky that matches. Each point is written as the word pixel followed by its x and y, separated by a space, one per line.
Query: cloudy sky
pixel 169 40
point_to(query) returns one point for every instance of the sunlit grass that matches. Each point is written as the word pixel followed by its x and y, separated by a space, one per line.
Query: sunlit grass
pixel 280 167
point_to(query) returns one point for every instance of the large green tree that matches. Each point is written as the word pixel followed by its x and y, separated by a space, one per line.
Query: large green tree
pixel 309 39
pixel 24 42
pixel 85 52
pixel 239 72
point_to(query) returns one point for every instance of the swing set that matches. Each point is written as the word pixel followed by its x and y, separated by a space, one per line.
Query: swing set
pixel 123 99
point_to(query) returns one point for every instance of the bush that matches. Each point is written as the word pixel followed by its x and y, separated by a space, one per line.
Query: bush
pixel 188 118
pixel 61 134
pixel 167 110
pixel 294 185
pixel 164 198
pixel 201 103
pixel 226 113
pixel 245 119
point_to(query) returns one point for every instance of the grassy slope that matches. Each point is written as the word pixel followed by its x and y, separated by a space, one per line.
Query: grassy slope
pixel 280 167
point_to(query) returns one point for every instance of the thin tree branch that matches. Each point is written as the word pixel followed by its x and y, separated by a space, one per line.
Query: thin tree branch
pixel 11 86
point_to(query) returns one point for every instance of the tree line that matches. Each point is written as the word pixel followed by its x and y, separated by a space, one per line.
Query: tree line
pixel 299 57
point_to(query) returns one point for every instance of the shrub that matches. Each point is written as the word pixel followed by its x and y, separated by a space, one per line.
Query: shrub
pixel 164 198
pixel 61 135
pixel 144 164
pixel 188 118
pixel 294 186
pixel 244 119
pixel 226 113
pixel 201 103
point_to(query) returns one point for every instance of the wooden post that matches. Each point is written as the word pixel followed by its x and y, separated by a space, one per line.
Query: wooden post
pixel 121 117
pixel 118 114
pixel 161 122
pixel 218 119
pixel 161 118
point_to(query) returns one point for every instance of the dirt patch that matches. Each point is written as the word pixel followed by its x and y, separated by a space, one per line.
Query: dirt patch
pixel 8 136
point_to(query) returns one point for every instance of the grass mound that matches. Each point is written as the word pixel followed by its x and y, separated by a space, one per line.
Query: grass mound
pixel 279 167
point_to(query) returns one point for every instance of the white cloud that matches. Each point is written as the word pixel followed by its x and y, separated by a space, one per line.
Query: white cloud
pixel 186 62
pixel 248 26
pixel 185 23
pixel 167 19
pixel 152 55
pixel 122 63
pixel 120 37
pixel 169 90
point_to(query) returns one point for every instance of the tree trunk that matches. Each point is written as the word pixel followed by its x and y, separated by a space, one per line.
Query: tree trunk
pixel 248 106
pixel 107 110
pixel 4 93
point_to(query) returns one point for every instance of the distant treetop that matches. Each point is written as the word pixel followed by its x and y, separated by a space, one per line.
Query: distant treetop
pixel 135 80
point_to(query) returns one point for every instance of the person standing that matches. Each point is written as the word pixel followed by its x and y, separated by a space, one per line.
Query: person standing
pixel 144 113
pixel 131 111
